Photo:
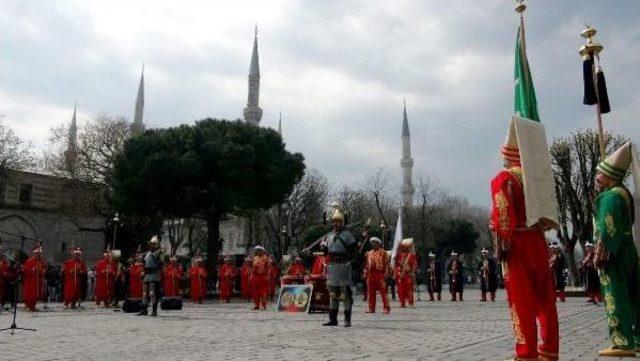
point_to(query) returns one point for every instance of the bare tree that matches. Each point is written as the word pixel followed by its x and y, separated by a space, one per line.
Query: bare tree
pixel 87 170
pixel 302 209
pixel 188 232
pixel 574 161
pixel 15 154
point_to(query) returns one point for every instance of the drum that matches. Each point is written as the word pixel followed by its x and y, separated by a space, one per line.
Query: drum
pixel 132 305
pixel 171 303
pixel 320 296
pixel 292 280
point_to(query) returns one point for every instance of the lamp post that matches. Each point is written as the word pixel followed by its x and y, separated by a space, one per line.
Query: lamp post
pixel 383 231
pixel 283 236
pixel 115 220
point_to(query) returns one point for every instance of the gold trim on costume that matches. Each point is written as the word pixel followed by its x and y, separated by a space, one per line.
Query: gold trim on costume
pixel 610 224
pixel 517 332
pixel 517 172
pixel 502 203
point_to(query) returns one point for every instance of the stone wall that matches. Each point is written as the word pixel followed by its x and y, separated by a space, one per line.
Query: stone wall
pixel 38 213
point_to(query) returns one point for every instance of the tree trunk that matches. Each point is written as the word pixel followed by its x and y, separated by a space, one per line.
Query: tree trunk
pixel 213 239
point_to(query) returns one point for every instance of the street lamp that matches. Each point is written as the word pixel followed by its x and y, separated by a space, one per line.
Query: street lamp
pixel 283 235
pixel 383 227
pixel 115 221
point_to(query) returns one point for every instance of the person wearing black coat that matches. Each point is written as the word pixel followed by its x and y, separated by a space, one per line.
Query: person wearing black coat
pixel 487 272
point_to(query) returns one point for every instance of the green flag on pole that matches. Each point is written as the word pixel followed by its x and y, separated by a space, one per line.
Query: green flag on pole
pixel 525 95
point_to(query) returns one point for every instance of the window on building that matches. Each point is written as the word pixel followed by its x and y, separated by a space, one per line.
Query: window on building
pixel 25 193
pixel 63 246
pixel 3 187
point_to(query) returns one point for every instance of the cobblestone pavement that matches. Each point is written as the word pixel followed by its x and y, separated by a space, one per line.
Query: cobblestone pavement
pixel 470 330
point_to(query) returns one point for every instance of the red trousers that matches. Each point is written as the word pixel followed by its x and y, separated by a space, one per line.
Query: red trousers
pixel 405 290
pixel 259 290
pixel 245 288
pixel 32 291
pixel 71 291
pixel 594 296
pixel 376 282
pixel 226 288
pixel 531 296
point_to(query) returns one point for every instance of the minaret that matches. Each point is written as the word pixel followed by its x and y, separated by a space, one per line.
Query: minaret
pixel 253 113
pixel 137 127
pixel 406 163
pixel 71 154
pixel 280 124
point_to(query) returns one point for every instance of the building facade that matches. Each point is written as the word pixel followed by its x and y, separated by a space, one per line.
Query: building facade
pixel 35 206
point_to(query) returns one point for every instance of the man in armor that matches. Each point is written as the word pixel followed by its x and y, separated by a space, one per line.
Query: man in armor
pixel 488 276
pixel 151 278
pixel 341 245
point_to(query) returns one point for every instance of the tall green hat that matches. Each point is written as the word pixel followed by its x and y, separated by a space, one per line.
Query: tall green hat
pixel 616 165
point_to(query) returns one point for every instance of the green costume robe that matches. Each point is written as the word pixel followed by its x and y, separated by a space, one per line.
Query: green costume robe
pixel 620 278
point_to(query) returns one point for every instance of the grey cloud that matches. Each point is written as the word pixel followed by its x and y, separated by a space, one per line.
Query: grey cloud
pixel 338 71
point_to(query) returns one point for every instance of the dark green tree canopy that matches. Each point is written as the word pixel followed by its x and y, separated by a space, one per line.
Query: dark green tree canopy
pixel 456 235
pixel 209 169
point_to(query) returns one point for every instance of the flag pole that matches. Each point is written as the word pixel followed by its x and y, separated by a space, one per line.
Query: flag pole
pixel 590 53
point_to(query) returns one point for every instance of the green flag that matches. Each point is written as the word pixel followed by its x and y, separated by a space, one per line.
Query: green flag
pixel 525 95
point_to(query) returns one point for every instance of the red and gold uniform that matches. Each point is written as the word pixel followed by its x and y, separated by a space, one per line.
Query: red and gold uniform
pixel 590 277
pixel 226 277
pixel 376 271
pixel 245 279
pixel 260 278
pixel 135 279
pixel 297 269
pixel 529 285
pixel 320 265
pixel 198 277
pixel 34 270
pixel 73 271
pixel 105 276
pixel 404 272
pixel 172 275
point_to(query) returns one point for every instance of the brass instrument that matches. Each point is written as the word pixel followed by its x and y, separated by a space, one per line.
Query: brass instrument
pixel 553 261
pixel 485 270
pixel 432 274
pixel 454 273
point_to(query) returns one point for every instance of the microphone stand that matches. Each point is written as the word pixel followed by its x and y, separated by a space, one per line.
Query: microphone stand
pixel 13 326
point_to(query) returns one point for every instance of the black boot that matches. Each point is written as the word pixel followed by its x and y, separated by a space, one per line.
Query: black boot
pixel 347 318
pixel 333 318
pixel 143 311
pixel 154 311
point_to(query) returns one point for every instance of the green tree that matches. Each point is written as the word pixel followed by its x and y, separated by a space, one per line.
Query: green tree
pixel 456 234
pixel 206 170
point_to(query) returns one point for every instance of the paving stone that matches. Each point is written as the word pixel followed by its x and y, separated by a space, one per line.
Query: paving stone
pixel 470 330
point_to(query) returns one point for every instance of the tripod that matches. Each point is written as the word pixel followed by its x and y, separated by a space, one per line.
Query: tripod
pixel 12 329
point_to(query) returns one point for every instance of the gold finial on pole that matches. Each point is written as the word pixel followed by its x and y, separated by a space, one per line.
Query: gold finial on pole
pixel 520 6
pixel 590 54
pixel 591 47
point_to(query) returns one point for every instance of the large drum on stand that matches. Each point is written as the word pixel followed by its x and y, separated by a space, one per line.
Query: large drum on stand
pixel 292 280
pixel 320 295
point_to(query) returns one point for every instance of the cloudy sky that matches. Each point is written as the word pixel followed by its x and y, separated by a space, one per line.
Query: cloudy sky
pixel 338 71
